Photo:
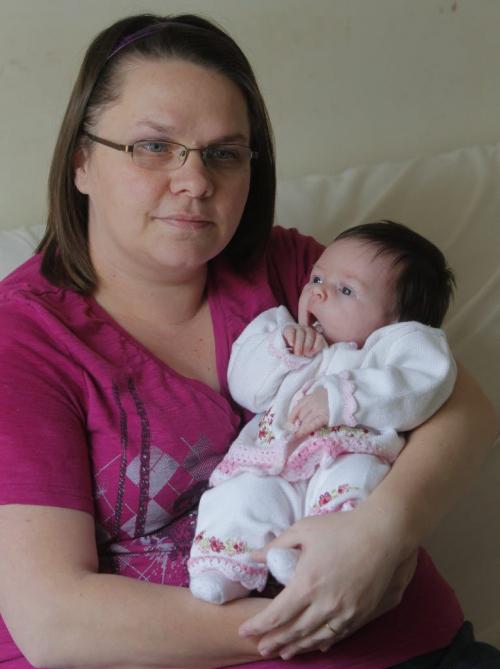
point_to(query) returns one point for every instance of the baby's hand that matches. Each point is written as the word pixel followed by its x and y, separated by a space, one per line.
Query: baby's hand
pixel 311 412
pixel 303 340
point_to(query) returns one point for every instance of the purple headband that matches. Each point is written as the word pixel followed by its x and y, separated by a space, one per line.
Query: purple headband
pixel 139 34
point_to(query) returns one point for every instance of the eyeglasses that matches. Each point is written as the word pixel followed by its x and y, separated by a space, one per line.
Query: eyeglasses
pixel 152 154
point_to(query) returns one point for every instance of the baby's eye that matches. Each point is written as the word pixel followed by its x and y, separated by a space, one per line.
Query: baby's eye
pixel 316 279
pixel 345 290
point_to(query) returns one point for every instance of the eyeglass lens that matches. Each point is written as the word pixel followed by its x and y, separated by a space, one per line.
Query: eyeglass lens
pixel 157 155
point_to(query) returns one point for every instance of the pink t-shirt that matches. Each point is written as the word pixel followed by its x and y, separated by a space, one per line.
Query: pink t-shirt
pixel 91 420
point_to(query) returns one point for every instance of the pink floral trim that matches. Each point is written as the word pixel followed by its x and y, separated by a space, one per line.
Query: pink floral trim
pixel 228 546
pixel 350 405
pixel 266 435
pixel 250 576
pixel 329 500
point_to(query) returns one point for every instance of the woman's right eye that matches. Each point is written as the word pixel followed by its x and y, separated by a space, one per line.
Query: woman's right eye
pixel 316 279
pixel 155 147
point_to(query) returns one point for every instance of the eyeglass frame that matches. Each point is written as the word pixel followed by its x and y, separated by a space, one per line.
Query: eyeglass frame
pixel 129 148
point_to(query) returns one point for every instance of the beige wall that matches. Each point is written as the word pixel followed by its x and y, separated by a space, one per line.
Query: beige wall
pixel 346 81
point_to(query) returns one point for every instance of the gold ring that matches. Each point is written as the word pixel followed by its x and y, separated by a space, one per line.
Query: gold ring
pixel 332 630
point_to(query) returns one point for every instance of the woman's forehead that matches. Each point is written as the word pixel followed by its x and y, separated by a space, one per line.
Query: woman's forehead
pixel 178 95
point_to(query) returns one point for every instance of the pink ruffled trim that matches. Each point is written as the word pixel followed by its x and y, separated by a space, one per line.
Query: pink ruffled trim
pixel 268 461
pixel 250 577
pixel 318 450
pixel 350 405
pixel 321 450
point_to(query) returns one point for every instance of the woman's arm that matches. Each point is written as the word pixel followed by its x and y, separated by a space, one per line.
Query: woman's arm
pixel 369 548
pixel 61 613
pixel 441 459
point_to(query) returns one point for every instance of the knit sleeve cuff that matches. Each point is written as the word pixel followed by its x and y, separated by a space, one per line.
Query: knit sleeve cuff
pixel 348 400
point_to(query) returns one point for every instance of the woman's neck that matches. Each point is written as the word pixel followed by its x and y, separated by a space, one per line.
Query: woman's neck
pixel 169 318
pixel 163 301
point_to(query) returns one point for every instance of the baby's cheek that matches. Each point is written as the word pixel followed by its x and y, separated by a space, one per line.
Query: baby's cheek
pixel 302 315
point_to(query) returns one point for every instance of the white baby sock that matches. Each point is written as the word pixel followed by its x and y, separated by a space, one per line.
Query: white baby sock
pixel 215 588
pixel 282 562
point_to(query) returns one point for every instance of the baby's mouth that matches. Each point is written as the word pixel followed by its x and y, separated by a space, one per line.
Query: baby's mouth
pixel 318 327
pixel 314 323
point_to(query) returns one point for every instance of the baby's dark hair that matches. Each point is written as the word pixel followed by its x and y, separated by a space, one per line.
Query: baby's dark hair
pixel 425 284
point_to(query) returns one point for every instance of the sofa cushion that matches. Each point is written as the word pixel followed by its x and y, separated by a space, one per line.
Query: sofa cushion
pixel 454 199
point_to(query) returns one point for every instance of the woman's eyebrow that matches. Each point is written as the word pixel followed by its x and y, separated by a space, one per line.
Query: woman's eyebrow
pixel 154 125
pixel 170 131
pixel 234 137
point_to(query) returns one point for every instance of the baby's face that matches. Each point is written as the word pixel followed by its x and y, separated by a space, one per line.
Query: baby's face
pixel 351 292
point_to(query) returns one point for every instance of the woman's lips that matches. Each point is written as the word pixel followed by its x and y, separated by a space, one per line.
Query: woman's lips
pixel 184 221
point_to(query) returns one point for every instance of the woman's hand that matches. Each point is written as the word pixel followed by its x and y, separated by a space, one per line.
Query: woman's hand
pixel 346 576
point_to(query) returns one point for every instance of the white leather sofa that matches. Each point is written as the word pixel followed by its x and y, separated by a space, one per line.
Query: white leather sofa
pixel 454 199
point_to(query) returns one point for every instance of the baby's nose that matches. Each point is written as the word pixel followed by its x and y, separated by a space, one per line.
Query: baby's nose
pixel 318 291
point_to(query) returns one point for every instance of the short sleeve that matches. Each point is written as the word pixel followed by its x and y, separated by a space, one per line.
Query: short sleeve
pixel 43 447
pixel 290 258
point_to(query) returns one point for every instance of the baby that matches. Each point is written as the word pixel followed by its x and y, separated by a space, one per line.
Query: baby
pixel 332 394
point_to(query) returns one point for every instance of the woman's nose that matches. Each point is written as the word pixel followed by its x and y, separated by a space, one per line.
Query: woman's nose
pixel 193 178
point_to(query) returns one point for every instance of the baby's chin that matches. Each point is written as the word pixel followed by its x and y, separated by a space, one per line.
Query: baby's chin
pixel 309 320
pixel 331 339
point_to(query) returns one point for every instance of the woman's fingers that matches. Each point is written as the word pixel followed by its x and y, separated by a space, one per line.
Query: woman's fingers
pixel 301 636
pixel 327 634
pixel 283 608
pixel 365 578
pixel 321 639
pixel 321 607
pixel 303 633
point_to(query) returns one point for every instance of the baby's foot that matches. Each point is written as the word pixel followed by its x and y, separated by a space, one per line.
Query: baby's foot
pixel 215 588
pixel 282 562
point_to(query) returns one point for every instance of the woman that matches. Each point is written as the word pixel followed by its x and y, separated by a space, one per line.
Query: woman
pixel 115 347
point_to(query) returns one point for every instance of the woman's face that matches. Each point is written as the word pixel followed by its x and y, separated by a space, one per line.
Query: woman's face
pixel 165 223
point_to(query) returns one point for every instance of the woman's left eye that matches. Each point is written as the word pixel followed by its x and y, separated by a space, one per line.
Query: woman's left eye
pixel 224 153
pixel 345 290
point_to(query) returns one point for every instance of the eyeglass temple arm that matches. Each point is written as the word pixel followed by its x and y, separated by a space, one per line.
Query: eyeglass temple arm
pixel 120 147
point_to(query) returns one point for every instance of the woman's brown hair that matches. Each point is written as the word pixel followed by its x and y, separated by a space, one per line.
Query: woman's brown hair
pixel 66 259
